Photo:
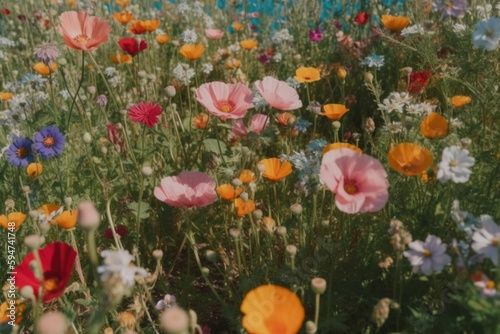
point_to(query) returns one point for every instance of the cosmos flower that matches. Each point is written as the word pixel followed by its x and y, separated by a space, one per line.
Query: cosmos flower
pixel 146 113
pixel 487 34
pixel 429 256
pixel 46 52
pixel 455 8
pixel 486 239
pixel 119 263
pixel 49 142
pixel 19 153
pixel 454 165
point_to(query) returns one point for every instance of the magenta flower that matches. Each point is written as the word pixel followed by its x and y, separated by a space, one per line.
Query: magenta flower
pixel 278 94
pixel 358 180
pixel 316 35
pixel 146 113
pixel 257 124
pixel 227 101
pixel 188 189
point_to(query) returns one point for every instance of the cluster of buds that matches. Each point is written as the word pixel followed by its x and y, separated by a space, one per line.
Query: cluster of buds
pixel 400 237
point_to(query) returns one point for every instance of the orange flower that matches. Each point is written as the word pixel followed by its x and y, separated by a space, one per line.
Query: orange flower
pixel 192 52
pixel 34 170
pixel 429 174
pixel 150 25
pixel 284 118
pixel 434 126
pixel 237 26
pixel 162 39
pixel 14 217
pixel 5 315
pixel 459 101
pixel 233 63
pixel 122 3
pixel 243 208
pixel 201 121
pixel 334 111
pixel 307 74
pixel 43 69
pixel 123 17
pixel 5 96
pixel 395 23
pixel 248 44
pixel 274 170
pixel 336 146
pixel 67 219
pixel 409 159
pixel 121 58
pixel 272 309
pixel 247 176
pixel 49 210
pixel 227 191
pixel 137 28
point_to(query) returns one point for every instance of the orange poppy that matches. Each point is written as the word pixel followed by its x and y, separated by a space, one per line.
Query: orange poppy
pixel 336 146
pixel 395 23
pixel 243 208
pixel 459 101
pixel 122 3
pixel 233 63
pixel 43 69
pixel 34 170
pixel 201 121
pixel 275 170
pixel 121 58
pixel 227 191
pixel 137 28
pixel 237 26
pixel 150 25
pixel 272 309
pixel 307 74
pixel 49 209
pixel 67 219
pixel 248 44
pixel 284 118
pixel 162 39
pixel 247 176
pixel 5 96
pixel 123 17
pixel 434 126
pixel 409 159
pixel 334 111
pixel 14 217
pixel 5 312
pixel 192 52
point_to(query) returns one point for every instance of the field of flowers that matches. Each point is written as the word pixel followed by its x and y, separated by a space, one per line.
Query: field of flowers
pixel 261 167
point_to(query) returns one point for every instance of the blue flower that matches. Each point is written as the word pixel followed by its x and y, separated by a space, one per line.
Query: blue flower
pixel 49 142
pixel 302 125
pixel 19 153
pixel 487 34
pixel 373 61
pixel 317 145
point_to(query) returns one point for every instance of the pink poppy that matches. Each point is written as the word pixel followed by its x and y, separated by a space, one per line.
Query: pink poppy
pixel 278 94
pixel 214 33
pixel 227 101
pixel 257 124
pixel 358 180
pixel 82 31
pixel 188 189
pixel 146 113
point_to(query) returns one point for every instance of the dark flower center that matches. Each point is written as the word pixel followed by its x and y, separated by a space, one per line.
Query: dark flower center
pixel 350 188
pixel 22 152
pixel 49 141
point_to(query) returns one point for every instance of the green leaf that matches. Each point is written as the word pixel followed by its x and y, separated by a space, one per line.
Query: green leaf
pixel 212 145
pixel 83 302
pixel 144 213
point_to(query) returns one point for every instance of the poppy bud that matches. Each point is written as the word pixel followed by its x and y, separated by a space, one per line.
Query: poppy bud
pixel 88 216
pixel 318 285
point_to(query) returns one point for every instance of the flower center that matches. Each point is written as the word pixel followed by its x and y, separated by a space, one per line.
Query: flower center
pixel 426 253
pixel 225 106
pixel 490 285
pixel 81 39
pixel 350 188
pixel 495 242
pixel 489 32
pixel 448 4
pixel 307 78
pixel 408 167
pixel 48 141
pixel 50 284
pixel 453 163
pixel 22 152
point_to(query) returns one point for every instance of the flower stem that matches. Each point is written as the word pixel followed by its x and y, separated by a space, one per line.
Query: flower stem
pixel 76 93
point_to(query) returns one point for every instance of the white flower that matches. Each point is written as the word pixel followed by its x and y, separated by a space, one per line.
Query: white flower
pixel 184 73
pixel 120 263
pixel 412 30
pixel 429 256
pixel 394 128
pixel 459 28
pixel 4 41
pixel 486 239
pixel 281 36
pixel 454 165
pixel 403 97
pixel 277 57
pixel 391 105
pixel 183 8
pixel 207 68
pixel 487 34
pixel 189 36
pixel 110 71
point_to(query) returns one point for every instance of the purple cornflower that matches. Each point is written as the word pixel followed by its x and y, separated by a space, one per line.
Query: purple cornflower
pixel 19 153
pixel 315 35
pixel 47 53
pixel 455 8
pixel 102 100
pixel 49 142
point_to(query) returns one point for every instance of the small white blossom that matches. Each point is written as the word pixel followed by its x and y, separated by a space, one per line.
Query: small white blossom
pixel 429 256
pixel 207 68
pixel 459 28
pixel 110 71
pixel 412 30
pixel 189 36
pixel 391 106
pixel 454 165
pixel 120 263
pixel 183 73
pixel 487 239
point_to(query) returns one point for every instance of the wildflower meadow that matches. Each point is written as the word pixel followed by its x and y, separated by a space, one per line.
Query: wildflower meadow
pixel 249 166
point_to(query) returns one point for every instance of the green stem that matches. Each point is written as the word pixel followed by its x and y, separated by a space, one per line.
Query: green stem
pixel 76 93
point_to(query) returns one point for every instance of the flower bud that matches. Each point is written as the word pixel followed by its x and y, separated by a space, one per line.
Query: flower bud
pixel 236 182
pixel 193 319
pixel 170 90
pixel 281 231
pixel 336 125
pixel 211 255
pixel 33 241
pixel 369 125
pixel 205 271
pixel 27 293
pixel 91 89
pixel 257 214
pixel 146 170
pixel 311 327
pixel 127 320
pixel 368 77
pixel 341 73
pixel 104 150
pixel 465 142
pixel 26 189
pixel 244 196
pixel 68 201
pixel 88 216
pixel 291 250
pixel 296 209
pixel 53 322
pixel 175 320
pixel 318 285
pixel 268 224
pixel 234 233
pixel 87 138
pixel 158 254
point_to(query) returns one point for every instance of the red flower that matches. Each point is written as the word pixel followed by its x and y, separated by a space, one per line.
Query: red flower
pixel 57 261
pixel 130 45
pixel 120 230
pixel 418 81
pixel 361 18
pixel 5 11
pixel 146 113
pixel 113 136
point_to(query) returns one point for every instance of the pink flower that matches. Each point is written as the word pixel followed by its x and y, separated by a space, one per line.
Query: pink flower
pixel 188 189
pixel 146 113
pixel 214 33
pixel 278 94
pixel 227 101
pixel 257 124
pixel 358 180
pixel 83 32
pixel 316 35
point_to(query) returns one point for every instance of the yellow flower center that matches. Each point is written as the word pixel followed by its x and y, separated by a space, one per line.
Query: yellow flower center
pixel 448 4
pixel 453 163
pixel 495 242
pixel 50 284
pixel 225 106
pixel 490 285
pixel 49 141
pixel 81 39
pixel 489 32
pixel 350 188
pixel 22 152
pixel 426 253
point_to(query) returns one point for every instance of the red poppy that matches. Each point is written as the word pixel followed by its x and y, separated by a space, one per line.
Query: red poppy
pixel 146 113
pixel 119 229
pixel 418 81
pixel 57 260
pixel 361 18
pixel 5 11
pixel 130 45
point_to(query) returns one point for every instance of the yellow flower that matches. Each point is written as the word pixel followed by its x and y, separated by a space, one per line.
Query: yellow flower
pixel 233 63
pixel 192 52
pixel 307 74
pixel 341 73
pixel 395 23
pixel 14 217
pixel 248 44
pixel 409 159
pixel 43 69
pixel 49 209
pixel 237 26
pixel 459 101
pixel 5 96
pixel 162 39
pixel 334 111
pixel 247 176
pixel 5 315
pixel 227 191
pixel 34 170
